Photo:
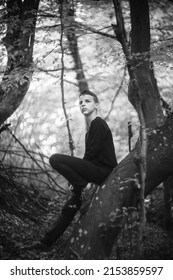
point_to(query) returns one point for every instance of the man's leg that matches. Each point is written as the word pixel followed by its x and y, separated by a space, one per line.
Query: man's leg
pixel 77 171
pixel 67 214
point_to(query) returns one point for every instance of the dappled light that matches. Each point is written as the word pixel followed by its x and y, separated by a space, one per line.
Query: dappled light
pixel 31 191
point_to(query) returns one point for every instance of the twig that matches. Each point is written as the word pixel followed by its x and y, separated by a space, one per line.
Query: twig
pixel 130 135
pixel 34 160
pixel 71 143
pixel 93 30
pixel 4 127
pixel 116 94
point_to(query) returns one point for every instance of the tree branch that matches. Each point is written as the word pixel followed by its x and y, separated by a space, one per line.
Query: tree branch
pixel 116 94
pixel 71 142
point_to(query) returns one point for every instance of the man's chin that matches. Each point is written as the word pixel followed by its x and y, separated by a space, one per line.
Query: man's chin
pixel 85 113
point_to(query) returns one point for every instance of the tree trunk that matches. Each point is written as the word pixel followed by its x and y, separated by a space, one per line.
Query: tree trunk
pixel 167 215
pixel 70 32
pixel 97 230
pixel 140 51
pixel 94 235
pixel 19 42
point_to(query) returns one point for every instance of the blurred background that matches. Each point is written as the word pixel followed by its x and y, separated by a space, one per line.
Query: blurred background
pixel 38 128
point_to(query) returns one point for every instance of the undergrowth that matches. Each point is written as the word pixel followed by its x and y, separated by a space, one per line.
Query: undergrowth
pixel 16 234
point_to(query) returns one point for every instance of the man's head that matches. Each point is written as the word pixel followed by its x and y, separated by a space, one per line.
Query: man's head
pixel 87 92
pixel 88 103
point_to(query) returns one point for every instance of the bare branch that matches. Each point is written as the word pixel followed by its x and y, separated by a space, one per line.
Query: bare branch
pixel 71 142
pixel 116 94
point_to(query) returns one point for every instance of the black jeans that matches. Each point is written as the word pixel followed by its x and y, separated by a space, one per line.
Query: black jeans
pixel 79 173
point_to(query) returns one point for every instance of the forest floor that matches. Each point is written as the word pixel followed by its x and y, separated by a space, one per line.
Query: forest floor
pixel 15 234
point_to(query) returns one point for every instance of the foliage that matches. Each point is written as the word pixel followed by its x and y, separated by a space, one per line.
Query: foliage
pixel 16 233
pixel 157 243
pixel 40 127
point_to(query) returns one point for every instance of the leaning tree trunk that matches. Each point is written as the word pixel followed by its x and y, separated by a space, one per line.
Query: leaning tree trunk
pixel 19 42
pixel 96 231
pixel 94 235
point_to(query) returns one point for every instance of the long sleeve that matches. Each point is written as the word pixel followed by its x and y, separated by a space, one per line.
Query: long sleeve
pixel 99 147
pixel 94 139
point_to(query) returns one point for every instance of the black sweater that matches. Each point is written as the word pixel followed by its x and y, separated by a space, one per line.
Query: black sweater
pixel 99 147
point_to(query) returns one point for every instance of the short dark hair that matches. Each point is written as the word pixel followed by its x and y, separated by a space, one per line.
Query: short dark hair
pixel 86 91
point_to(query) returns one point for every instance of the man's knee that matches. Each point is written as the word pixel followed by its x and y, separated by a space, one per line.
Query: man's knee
pixel 54 160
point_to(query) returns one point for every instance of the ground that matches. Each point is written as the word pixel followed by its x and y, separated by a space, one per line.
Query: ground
pixel 15 234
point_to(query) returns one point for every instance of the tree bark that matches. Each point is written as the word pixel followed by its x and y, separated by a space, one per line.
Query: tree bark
pixel 97 230
pixel 141 66
pixel 19 42
pixel 167 216
pixel 71 34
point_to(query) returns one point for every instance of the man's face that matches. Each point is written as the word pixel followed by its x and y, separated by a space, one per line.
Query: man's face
pixel 87 104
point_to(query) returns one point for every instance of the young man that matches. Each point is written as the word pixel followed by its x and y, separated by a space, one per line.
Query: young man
pixel 98 161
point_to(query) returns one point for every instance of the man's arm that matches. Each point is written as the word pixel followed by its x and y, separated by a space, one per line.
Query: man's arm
pixel 95 139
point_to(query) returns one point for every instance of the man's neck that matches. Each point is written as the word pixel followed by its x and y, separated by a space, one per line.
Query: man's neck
pixel 90 118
